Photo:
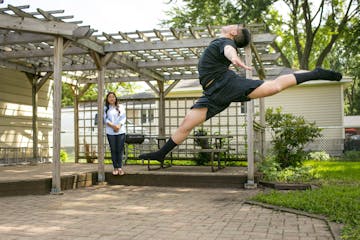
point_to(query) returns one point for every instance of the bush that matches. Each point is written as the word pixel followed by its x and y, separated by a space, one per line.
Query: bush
pixel 274 173
pixel 290 134
pixel 296 174
pixel 319 156
pixel 63 155
pixel 352 155
pixel 202 158
pixel 269 167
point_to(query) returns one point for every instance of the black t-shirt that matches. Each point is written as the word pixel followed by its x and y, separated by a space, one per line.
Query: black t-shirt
pixel 213 63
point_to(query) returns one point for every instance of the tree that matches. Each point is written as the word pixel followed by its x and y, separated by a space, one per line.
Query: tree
pixel 346 58
pixel 91 94
pixel 316 26
pixel 307 33
pixel 211 12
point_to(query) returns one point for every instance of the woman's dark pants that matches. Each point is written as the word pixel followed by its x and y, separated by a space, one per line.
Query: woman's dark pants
pixel 116 143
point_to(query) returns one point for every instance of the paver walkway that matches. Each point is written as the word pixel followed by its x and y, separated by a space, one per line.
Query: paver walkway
pixel 133 212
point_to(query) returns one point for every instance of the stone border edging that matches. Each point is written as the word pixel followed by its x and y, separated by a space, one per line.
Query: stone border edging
pixel 286 186
pixel 335 228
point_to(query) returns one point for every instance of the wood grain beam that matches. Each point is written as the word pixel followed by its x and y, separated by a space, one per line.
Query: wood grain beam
pixel 40 53
pixel 11 38
pixel 17 67
pixel 173 44
pixel 28 24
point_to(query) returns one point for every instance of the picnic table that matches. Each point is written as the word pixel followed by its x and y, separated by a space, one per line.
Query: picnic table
pixel 214 148
pixel 12 155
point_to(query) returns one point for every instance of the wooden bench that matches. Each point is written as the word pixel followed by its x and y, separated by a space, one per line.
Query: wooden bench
pixel 212 151
pixel 12 155
pixel 216 149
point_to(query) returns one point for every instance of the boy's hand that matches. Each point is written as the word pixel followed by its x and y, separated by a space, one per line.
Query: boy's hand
pixel 237 62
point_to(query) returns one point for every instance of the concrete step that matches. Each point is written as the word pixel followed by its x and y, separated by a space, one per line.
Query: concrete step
pixel 178 180
pixel 176 176
pixel 43 186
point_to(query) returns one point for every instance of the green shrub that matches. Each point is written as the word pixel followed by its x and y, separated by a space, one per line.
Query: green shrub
pixel 352 155
pixel 269 167
pixel 319 156
pixel 202 158
pixel 63 156
pixel 297 174
pixel 273 172
pixel 290 134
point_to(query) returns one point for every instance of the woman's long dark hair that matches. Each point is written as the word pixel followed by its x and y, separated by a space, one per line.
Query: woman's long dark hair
pixel 107 102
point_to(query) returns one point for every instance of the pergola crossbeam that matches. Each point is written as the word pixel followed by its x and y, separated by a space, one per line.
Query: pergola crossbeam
pixel 16 66
pixel 40 53
pixel 11 38
pixel 19 12
pixel 37 26
pixel 174 44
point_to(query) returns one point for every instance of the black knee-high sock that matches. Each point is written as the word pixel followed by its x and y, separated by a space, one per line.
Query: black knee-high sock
pixel 317 74
pixel 160 155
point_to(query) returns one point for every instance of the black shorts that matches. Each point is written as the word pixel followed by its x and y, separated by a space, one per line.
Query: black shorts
pixel 221 92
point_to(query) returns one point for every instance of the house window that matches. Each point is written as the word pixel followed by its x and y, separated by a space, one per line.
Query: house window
pixel 243 107
pixel 147 116
pixel 151 115
pixel 143 116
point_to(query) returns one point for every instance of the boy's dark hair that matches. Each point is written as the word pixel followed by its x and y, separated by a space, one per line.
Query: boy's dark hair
pixel 243 38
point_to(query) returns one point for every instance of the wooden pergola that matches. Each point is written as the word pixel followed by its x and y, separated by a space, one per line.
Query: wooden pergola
pixel 47 43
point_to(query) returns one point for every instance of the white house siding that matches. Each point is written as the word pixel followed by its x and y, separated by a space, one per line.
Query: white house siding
pixel 319 103
pixel 67 128
pixel 16 113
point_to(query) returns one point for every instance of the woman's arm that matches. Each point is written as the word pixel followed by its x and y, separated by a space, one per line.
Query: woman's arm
pixel 109 123
pixel 119 120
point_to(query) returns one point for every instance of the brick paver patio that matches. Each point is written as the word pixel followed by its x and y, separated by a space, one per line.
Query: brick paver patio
pixel 141 212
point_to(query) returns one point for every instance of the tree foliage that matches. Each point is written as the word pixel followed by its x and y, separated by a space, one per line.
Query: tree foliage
pixel 346 58
pixel 68 92
pixel 310 33
pixel 307 30
pixel 216 12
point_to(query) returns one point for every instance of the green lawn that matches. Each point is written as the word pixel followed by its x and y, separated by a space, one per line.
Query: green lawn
pixel 337 171
pixel 338 196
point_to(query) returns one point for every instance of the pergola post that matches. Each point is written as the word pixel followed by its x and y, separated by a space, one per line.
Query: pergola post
pixel 100 99
pixel 76 124
pixel 100 62
pixel 58 57
pixel 250 129
pixel 262 130
pixel 36 82
pixel 35 129
pixel 33 79
pixel 161 109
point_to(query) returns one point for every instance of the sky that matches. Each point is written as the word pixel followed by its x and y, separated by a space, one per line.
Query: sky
pixel 108 16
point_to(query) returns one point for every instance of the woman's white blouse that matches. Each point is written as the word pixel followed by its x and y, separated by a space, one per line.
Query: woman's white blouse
pixel 116 118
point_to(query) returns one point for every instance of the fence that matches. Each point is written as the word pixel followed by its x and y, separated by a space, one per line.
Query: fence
pixel 142 117
pixel 21 155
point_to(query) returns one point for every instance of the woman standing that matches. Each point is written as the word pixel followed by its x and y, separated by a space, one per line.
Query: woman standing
pixel 114 118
